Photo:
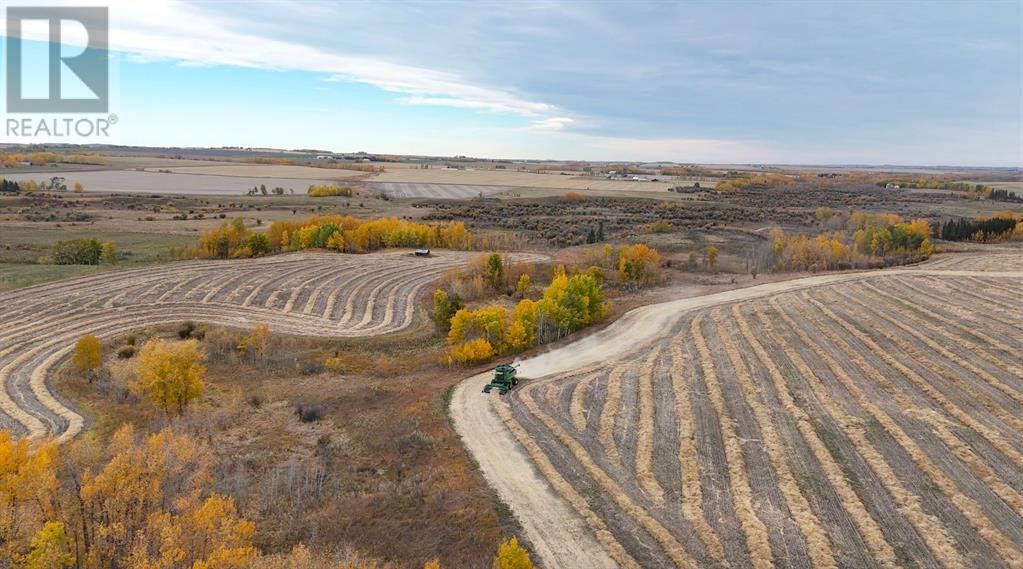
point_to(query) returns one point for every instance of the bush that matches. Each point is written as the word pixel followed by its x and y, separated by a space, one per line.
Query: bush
pixel 309 367
pixel 77 252
pixel 126 352
pixel 186 330
pixel 326 191
pixel 478 350
pixel 309 413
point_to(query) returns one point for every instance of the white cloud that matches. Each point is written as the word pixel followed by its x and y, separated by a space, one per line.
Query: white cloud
pixel 552 124
pixel 186 33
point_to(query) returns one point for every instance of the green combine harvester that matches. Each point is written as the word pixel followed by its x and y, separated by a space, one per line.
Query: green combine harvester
pixel 504 379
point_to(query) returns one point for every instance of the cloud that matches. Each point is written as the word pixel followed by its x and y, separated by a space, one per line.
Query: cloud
pixel 552 124
pixel 189 34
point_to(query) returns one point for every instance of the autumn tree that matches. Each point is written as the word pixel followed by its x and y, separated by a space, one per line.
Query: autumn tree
pixel 51 548
pixel 511 555
pixel 444 307
pixel 712 256
pixel 79 188
pixel 637 263
pixel 108 253
pixel 522 286
pixel 493 271
pixel 256 343
pixel 170 374
pixel 88 355
pixel 28 487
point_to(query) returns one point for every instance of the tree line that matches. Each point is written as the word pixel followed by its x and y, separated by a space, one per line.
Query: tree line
pixel 1000 227
pixel 232 239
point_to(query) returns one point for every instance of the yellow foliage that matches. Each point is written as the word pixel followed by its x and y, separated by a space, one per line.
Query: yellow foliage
pixel 638 263
pixel 478 350
pixel 170 374
pixel 257 341
pixel 325 191
pixel 88 354
pixel 28 484
pixel 522 287
pixel 511 555
pixel 51 548
pixel 712 256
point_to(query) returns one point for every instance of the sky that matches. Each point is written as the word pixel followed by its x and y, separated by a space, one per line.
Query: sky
pixel 809 82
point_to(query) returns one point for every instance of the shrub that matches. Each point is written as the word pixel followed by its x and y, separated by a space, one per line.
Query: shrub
pixel 77 252
pixel 126 352
pixel 334 364
pixel 638 263
pixel 474 351
pixel 511 555
pixel 444 308
pixel 309 413
pixel 186 330
pixel 326 191
pixel 309 367
pixel 660 226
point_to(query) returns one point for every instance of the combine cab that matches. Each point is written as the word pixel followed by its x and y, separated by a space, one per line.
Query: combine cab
pixel 504 379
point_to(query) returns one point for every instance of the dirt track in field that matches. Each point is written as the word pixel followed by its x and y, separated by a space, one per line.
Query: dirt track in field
pixel 311 294
pixel 842 420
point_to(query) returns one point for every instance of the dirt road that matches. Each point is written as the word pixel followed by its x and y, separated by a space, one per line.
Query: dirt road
pixel 551 523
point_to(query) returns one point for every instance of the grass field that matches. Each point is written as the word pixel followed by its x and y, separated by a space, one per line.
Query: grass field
pixel 868 423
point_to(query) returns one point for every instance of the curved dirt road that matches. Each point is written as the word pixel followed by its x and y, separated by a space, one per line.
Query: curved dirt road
pixel 554 527
pixel 311 294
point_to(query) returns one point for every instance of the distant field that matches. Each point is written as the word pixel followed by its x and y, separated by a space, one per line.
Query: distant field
pixel 452 191
pixel 15 275
pixel 267 171
pixel 122 181
pixel 515 179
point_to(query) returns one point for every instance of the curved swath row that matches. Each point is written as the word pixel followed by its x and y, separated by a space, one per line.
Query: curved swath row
pixel 315 293
pixel 869 423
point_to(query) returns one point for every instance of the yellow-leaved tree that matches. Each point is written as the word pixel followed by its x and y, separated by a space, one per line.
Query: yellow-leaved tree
pixel 88 355
pixel 51 548
pixel 170 374
pixel 712 256
pixel 28 487
pixel 511 555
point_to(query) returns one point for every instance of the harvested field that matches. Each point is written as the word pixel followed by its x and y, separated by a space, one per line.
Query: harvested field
pixel 857 420
pixel 441 191
pixel 267 171
pixel 515 179
pixel 134 181
pixel 313 294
